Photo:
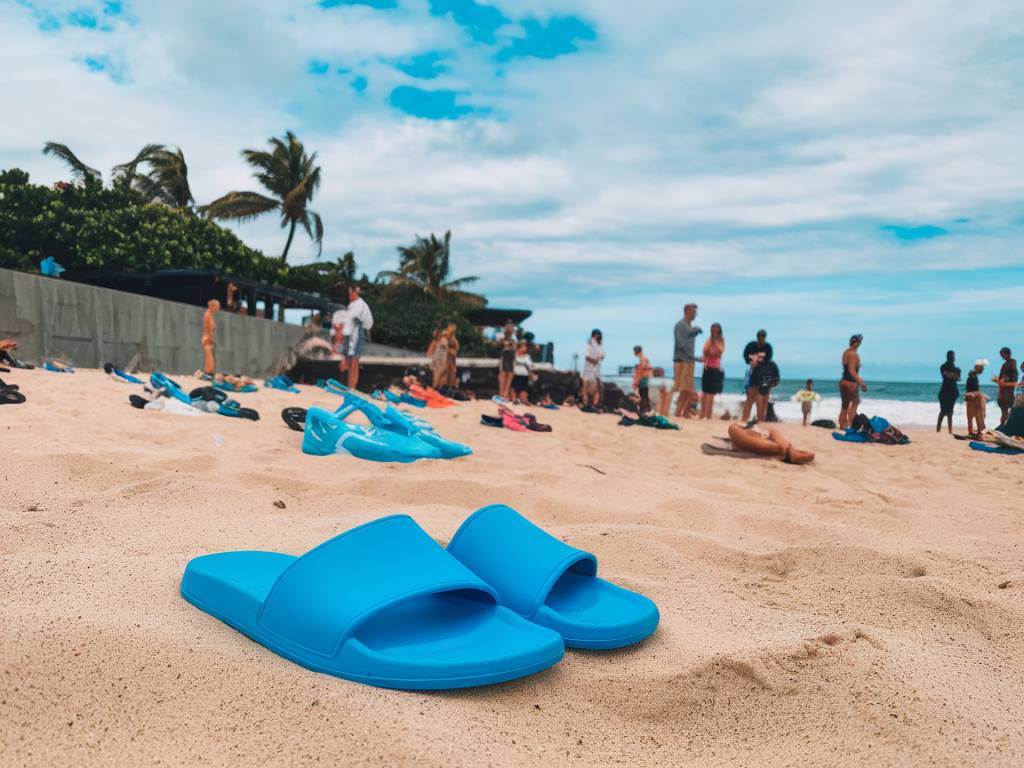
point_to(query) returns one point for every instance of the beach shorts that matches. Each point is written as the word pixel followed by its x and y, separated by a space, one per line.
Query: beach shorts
pixel 683 378
pixel 355 343
pixel 712 381
pixel 520 383
pixel 508 362
pixel 1005 398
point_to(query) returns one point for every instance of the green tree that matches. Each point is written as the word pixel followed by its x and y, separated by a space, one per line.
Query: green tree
pixel 291 176
pixel 426 265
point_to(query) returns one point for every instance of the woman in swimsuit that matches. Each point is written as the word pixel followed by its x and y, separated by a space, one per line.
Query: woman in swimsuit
pixel 439 360
pixel 949 392
pixel 209 335
pixel 851 385
pixel 452 379
pixel 506 368
pixel 712 380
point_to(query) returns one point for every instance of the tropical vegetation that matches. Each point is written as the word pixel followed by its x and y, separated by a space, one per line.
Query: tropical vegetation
pixel 425 265
pixel 147 219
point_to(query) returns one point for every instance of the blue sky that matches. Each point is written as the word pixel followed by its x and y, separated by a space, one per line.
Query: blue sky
pixel 814 169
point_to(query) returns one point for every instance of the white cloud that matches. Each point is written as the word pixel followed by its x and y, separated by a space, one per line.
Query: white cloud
pixel 697 142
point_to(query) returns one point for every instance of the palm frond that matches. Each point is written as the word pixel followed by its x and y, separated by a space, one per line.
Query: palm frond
pixel 314 227
pixel 240 206
pixel 79 170
pixel 451 285
pixel 125 172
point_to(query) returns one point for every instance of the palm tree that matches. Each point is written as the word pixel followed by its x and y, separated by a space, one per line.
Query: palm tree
pixel 166 181
pixel 425 264
pixel 291 176
pixel 80 172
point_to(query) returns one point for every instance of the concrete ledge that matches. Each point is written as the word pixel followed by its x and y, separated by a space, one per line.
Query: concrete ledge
pixel 88 326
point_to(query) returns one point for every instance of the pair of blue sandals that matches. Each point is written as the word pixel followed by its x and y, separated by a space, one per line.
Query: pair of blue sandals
pixel 383 604
pixel 391 436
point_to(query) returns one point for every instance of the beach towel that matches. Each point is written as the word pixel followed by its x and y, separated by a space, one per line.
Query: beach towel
pixel 874 430
pixel 657 421
pixel 1002 449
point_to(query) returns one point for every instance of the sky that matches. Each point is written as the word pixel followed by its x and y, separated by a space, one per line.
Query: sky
pixel 814 168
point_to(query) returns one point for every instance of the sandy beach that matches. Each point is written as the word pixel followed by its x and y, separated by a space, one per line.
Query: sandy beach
pixel 867 609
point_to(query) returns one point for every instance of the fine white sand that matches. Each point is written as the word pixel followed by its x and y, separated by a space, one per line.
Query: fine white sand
pixel 864 610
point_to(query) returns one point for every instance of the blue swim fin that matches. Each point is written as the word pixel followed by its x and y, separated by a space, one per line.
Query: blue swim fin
pixel 551 583
pixel 381 604
pixel 393 420
pixel 161 381
pixel 326 434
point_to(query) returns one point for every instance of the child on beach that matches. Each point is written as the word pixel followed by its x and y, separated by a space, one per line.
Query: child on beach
pixel 807 397
pixel 642 379
pixel 975 399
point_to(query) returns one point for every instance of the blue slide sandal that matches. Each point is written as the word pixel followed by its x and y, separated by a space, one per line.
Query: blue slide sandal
pixel 159 380
pixel 393 420
pixel 326 434
pixel 381 604
pixel 551 583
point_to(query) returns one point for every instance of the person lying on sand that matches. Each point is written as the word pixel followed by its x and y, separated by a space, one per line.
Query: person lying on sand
pixel 7 346
pixel 236 382
pixel 768 442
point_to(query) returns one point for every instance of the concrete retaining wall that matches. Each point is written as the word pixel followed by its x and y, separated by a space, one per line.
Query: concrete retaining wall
pixel 87 326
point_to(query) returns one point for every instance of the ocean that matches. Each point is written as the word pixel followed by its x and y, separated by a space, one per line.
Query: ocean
pixel 902 403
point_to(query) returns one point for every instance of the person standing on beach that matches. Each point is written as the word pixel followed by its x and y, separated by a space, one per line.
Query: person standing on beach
pixel 684 360
pixel 975 399
pixel 1007 382
pixel 341 322
pixel 592 369
pixel 507 362
pixel 949 392
pixel 807 397
pixel 438 354
pixel 756 351
pixel 452 377
pixel 851 384
pixel 642 379
pixel 712 380
pixel 361 320
pixel 209 336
